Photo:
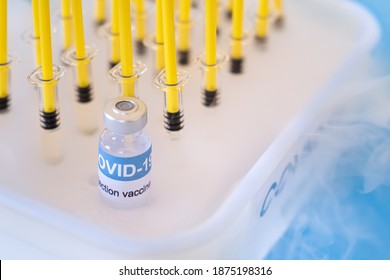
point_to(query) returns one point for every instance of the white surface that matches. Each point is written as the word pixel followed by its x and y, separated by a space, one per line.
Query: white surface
pixel 194 197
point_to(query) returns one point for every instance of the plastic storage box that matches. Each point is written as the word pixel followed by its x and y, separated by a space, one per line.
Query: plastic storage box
pixel 226 189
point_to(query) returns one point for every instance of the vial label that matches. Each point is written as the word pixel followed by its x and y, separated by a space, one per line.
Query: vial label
pixel 124 178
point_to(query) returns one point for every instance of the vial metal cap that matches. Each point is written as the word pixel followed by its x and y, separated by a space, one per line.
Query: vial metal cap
pixel 125 115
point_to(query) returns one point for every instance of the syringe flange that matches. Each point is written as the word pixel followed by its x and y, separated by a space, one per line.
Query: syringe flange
pixel 49 119
pixel 84 93
pixel 5 71
pixel 115 74
pixel 211 95
pixel 173 119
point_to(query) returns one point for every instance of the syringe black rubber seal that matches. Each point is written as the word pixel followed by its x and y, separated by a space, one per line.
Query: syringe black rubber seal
pixel 84 94
pixel 99 23
pixel 261 39
pixel 174 121
pixel 140 47
pixel 279 22
pixel 112 64
pixel 210 98
pixel 50 120
pixel 184 57
pixel 236 65
pixel 229 14
pixel 4 103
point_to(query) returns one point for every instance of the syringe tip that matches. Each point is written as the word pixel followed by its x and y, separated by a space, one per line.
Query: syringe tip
pixel 174 121
pixel 4 103
pixel 84 94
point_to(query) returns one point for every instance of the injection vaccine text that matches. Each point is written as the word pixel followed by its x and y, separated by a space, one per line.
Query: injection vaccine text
pixel 125 194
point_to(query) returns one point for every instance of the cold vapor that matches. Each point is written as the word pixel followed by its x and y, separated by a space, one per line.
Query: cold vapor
pixel 348 213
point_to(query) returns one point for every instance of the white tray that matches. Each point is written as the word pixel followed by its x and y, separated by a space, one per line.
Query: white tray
pixel 210 186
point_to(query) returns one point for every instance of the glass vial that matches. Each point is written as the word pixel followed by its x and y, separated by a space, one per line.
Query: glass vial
pixel 124 160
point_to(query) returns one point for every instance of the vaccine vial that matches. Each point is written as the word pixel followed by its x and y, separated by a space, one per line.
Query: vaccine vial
pixel 124 160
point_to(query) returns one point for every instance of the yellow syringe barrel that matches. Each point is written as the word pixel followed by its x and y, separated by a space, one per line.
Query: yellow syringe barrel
pixel 3 49
pixel 172 94
pixel 36 32
pixel 184 10
pixel 160 61
pixel 229 6
pixel 159 38
pixel 211 45
pixel 3 81
pixel 3 32
pixel 115 44
pixel 217 14
pixel 49 99
pixel 279 8
pixel 262 19
pixel 126 48
pixel 79 40
pixel 100 11
pixel 66 15
pixel 237 29
pixel 140 20
pixel 184 25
